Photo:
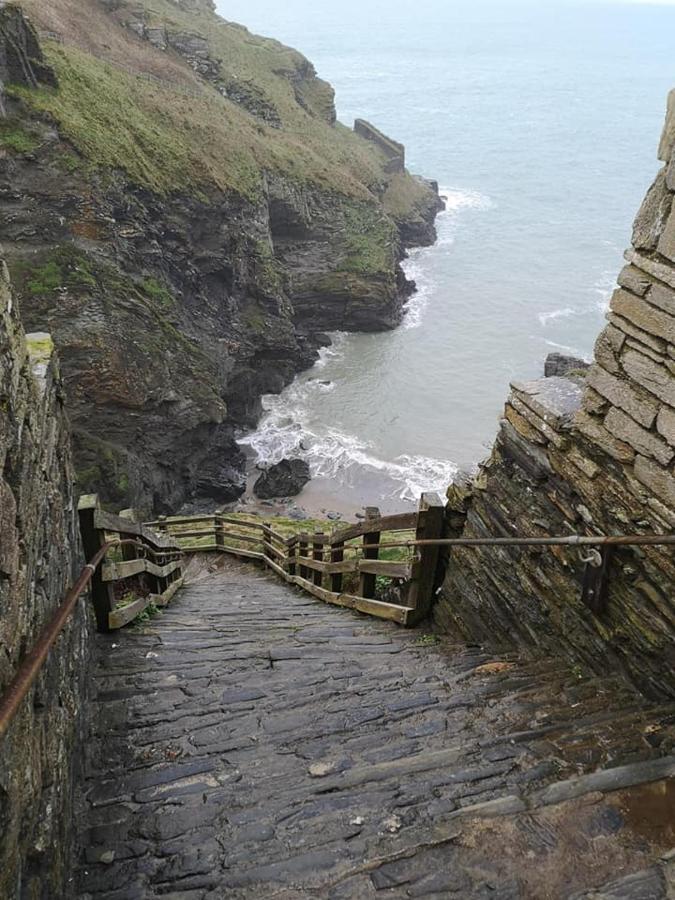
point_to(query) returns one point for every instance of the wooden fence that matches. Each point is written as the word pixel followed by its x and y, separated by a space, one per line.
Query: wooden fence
pixel 143 565
pixel 346 567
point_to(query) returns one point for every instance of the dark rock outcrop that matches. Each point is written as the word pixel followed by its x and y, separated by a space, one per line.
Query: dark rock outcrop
pixel 592 456
pixel 284 479
pixel 176 306
pixel 21 59
pixel 39 560
pixel 558 364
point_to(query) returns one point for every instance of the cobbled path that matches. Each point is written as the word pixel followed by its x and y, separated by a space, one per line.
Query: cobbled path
pixel 253 742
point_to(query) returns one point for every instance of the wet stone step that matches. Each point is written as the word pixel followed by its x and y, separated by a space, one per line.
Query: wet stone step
pixel 251 742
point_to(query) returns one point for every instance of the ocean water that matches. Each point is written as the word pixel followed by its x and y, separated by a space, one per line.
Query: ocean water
pixel 540 121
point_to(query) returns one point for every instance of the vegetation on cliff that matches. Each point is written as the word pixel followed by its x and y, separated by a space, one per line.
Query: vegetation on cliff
pixel 169 130
pixel 186 214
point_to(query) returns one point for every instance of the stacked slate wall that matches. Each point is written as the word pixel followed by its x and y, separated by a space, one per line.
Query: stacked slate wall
pixel 589 453
pixel 39 558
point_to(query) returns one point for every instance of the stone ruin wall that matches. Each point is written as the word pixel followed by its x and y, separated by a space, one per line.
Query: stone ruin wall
pixel 589 453
pixel 39 560
pixel 392 150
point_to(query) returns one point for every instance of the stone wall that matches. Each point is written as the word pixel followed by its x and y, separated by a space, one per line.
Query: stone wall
pixel 39 558
pixel 392 150
pixel 588 455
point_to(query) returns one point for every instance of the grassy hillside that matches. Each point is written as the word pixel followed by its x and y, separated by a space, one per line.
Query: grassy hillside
pixel 126 104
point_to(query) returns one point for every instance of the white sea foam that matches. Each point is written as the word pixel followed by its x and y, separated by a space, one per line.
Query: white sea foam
pixel 285 428
pixel 547 317
pixel 571 350
pixel 603 289
pixel 284 432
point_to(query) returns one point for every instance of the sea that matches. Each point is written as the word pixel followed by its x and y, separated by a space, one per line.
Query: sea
pixel 540 121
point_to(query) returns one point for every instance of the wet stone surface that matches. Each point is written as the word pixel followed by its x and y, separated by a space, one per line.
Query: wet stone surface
pixel 253 742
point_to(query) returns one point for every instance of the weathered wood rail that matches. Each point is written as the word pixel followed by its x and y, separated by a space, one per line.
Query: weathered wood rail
pixel 150 563
pixel 345 568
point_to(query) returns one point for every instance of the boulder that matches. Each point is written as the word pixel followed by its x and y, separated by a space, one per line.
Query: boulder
pixel 221 480
pixel 557 364
pixel 285 479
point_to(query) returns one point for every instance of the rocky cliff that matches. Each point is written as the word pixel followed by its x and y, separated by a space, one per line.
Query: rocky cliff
pixel 39 558
pixel 185 216
pixel 589 453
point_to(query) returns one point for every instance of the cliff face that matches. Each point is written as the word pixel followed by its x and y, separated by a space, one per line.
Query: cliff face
pixel 184 215
pixel 589 455
pixel 39 559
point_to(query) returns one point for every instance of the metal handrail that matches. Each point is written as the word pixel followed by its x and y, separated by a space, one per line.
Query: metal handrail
pixel 29 669
pixel 574 540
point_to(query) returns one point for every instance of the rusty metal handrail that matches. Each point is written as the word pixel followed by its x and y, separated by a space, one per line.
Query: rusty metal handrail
pixel 574 540
pixel 29 669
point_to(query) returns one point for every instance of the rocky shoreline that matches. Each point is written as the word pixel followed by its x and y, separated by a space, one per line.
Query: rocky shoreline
pixel 176 304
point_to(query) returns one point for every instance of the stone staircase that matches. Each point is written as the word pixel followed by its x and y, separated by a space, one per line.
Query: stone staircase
pixel 254 742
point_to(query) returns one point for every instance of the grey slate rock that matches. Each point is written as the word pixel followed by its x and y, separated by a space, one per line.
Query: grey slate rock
pixel 285 479
pixel 561 365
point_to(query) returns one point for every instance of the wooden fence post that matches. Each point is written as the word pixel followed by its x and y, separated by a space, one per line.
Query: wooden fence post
pixel 219 527
pixel 302 549
pixel 367 581
pixel 337 555
pixel 267 542
pixel 291 553
pixel 317 554
pixel 92 541
pixel 430 523
pixel 129 552
pixel 160 527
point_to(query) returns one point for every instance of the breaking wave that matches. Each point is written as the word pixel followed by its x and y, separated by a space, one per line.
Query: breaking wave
pixel 286 428
pixel 285 431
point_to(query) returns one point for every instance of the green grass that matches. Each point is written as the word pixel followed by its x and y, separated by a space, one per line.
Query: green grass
pixel 145 616
pixel 40 349
pixel 403 196
pixel 158 293
pixel 370 241
pixel 149 613
pixel 64 267
pixel 69 162
pixel 15 137
pixel 427 640
pixel 168 139
pixel 287 527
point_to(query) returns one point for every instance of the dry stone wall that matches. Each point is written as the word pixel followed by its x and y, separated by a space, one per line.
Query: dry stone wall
pixel 39 557
pixel 588 455
pixel 392 150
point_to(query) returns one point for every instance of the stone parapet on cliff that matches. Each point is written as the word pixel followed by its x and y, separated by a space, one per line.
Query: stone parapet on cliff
pixel 39 558
pixel 591 455
pixel 392 150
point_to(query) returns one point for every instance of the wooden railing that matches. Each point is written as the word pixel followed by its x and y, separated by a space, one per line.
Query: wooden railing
pixel 118 550
pixel 141 567
pixel 345 567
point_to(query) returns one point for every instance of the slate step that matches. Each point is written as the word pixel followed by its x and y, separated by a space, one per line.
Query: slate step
pixel 253 742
